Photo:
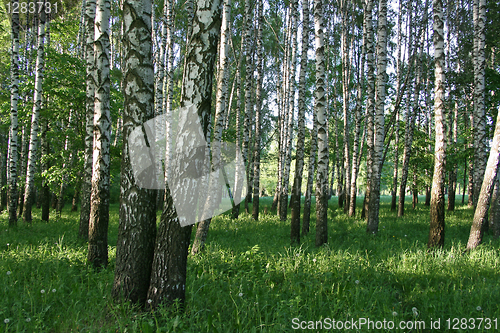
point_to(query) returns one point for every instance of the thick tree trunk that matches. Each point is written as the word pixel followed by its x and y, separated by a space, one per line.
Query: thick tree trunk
pixel 14 97
pixel 437 224
pixel 378 147
pixel 45 190
pixel 213 195
pixel 137 224
pixel 168 274
pixel 99 197
pixel 299 159
pixel 480 133
pixel 83 231
pixel 320 109
pixel 37 106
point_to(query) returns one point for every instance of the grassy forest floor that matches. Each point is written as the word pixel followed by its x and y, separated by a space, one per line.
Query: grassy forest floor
pixel 250 279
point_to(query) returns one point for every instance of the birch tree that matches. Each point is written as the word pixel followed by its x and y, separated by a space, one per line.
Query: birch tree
pixel 168 274
pixel 320 109
pixel 378 147
pixel 99 198
pixel 220 114
pixel 83 231
pixel 437 224
pixel 258 112
pixel 480 133
pixel 14 97
pixel 299 156
pixel 35 118
pixel 137 219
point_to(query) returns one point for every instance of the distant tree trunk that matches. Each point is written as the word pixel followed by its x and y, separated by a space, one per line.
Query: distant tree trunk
pixel 480 133
pixel 370 102
pixel 137 219
pixel 238 191
pixel 399 72
pixel 99 198
pixel 409 120
pixel 14 97
pixel 310 176
pixel 378 147
pixel 76 193
pixel 414 190
pixel 220 113
pixel 258 111
pixel 22 169
pixel 437 224
pixel 290 108
pixel 452 180
pixel 320 109
pixel 299 159
pixel 45 195
pixel 83 231
pixel 37 106
pixel 168 274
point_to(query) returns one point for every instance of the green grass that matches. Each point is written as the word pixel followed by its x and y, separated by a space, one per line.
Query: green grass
pixel 250 279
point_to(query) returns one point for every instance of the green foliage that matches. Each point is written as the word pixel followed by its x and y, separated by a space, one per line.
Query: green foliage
pixel 249 279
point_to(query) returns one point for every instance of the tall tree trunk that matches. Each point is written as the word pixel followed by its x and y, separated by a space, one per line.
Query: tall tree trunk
pixel 83 231
pixel 409 120
pixel 14 97
pixel 290 108
pixel 37 106
pixel 437 224
pixel 378 147
pixel 399 72
pixel 168 274
pixel 494 218
pixel 320 109
pixel 168 85
pixel 370 102
pixel 346 80
pixel 137 219
pixel 299 159
pixel 480 133
pixel 99 197
pixel 248 96
pixel 452 180
pixel 213 195
pixel 258 112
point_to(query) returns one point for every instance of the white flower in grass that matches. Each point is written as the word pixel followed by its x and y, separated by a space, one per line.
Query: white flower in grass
pixel 297 255
pixel 150 301
pixel 240 294
pixel 53 290
pixel 415 311
pixel 42 291
pixel 357 281
pixel 28 320
pixel 8 272
pixel 394 313
pixel 478 308
pixel 6 320
pixel 314 260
